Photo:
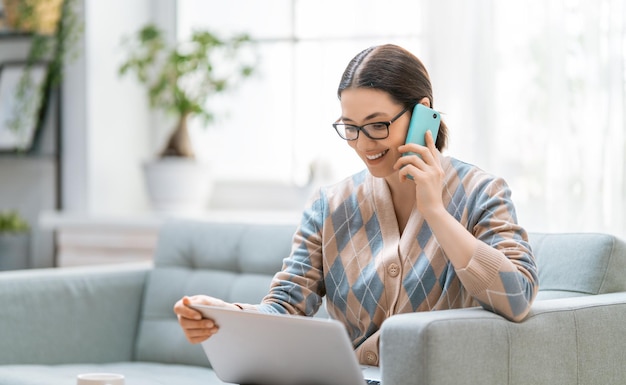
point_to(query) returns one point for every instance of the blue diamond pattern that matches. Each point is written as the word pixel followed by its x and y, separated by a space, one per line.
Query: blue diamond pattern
pixel 511 283
pixel 424 235
pixel 458 202
pixel 419 281
pixel 336 284
pixel 368 289
pixel 346 227
pixel 374 235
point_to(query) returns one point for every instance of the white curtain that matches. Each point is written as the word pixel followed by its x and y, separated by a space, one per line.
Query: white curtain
pixel 534 92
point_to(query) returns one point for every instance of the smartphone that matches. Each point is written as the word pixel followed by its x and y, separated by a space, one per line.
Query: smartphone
pixel 423 119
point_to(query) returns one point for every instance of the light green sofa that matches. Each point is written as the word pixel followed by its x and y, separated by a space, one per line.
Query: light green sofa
pixel 56 323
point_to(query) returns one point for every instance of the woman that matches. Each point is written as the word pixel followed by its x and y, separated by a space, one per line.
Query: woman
pixel 410 233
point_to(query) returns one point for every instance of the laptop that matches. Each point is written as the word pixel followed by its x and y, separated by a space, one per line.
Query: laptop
pixel 276 349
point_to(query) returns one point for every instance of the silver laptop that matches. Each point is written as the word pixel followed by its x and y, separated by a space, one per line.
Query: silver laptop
pixel 262 349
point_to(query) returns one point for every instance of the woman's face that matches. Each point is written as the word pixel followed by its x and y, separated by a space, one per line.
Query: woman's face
pixel 360 106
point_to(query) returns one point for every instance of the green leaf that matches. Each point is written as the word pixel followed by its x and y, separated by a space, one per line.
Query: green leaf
pixel 12 222
pixel 181 77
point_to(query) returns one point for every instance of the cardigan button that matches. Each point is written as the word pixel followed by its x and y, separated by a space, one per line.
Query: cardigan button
pixel 371 357
pixel 393 270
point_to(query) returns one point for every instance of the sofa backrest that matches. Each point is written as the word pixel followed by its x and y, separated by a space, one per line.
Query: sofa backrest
pixel 232 261
pixel 578 264
pixel 236 262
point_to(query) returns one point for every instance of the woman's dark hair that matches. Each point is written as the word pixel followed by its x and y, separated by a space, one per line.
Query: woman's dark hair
pixel 398 72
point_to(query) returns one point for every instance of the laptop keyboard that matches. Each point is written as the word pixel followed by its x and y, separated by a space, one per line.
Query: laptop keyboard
pixel 372 382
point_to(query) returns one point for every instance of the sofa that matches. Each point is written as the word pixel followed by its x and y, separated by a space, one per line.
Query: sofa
pixel 57 323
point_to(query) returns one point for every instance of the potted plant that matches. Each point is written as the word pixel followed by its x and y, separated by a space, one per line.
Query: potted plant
pixel 14 241
pixel 55 28
pixel 180 78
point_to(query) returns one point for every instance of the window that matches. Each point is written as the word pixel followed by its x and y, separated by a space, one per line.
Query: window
pixel 532 91
pixel 277 126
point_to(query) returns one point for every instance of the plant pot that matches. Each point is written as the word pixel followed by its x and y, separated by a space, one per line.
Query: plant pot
pixel 41 16
pixel 14 251
pixel 177 184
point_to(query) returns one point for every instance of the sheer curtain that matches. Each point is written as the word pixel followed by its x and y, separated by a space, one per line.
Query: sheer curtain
pixel 531 90
pixel 534 91
pixel 571 96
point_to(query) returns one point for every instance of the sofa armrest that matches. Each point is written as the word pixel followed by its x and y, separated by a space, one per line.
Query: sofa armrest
pixel 565 341
pixel 70 315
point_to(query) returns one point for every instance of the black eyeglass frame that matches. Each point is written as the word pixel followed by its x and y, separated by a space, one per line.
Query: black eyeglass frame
pixel 362 128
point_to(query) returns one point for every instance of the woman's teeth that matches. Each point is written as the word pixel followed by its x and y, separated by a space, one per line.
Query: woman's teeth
pixel 376 156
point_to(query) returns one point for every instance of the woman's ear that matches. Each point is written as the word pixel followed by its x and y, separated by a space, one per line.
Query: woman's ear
pixel 425 101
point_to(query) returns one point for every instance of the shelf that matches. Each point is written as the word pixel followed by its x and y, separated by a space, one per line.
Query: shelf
pixel 31 179
pixel 16 155
pixel 7 34
pixel 84 239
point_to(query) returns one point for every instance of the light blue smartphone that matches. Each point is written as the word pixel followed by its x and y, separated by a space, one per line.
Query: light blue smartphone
pixel 423 119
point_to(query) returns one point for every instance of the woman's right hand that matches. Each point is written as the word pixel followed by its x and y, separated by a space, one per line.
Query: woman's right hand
pixel 196 328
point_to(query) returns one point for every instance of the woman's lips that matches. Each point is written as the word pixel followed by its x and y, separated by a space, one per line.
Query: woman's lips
pixel 376 156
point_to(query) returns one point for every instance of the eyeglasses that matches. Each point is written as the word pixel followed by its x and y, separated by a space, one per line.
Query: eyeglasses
pixel 375 131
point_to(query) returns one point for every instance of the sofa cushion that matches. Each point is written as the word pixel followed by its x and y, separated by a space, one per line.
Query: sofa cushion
pixel 577 264
pixel 235 262
pixel 56 316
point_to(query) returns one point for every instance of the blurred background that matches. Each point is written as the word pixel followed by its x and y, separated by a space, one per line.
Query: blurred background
pixel 533 91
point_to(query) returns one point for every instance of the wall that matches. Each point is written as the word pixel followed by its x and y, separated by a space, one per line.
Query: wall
pixel 106 122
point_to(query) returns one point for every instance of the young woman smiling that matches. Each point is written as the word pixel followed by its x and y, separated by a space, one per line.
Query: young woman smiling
pixel 409 233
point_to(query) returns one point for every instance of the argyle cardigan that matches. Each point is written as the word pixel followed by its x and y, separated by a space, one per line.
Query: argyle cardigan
pixel 348 247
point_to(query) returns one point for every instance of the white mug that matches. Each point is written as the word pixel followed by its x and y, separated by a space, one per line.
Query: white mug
pixel 100 379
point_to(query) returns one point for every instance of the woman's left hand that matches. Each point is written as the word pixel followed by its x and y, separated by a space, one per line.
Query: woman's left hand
pixel 426 172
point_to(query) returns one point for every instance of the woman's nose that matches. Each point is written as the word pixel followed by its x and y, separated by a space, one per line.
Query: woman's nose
pixel 363 142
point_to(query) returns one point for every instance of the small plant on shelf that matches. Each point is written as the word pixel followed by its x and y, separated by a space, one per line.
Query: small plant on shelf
pixel 12 222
